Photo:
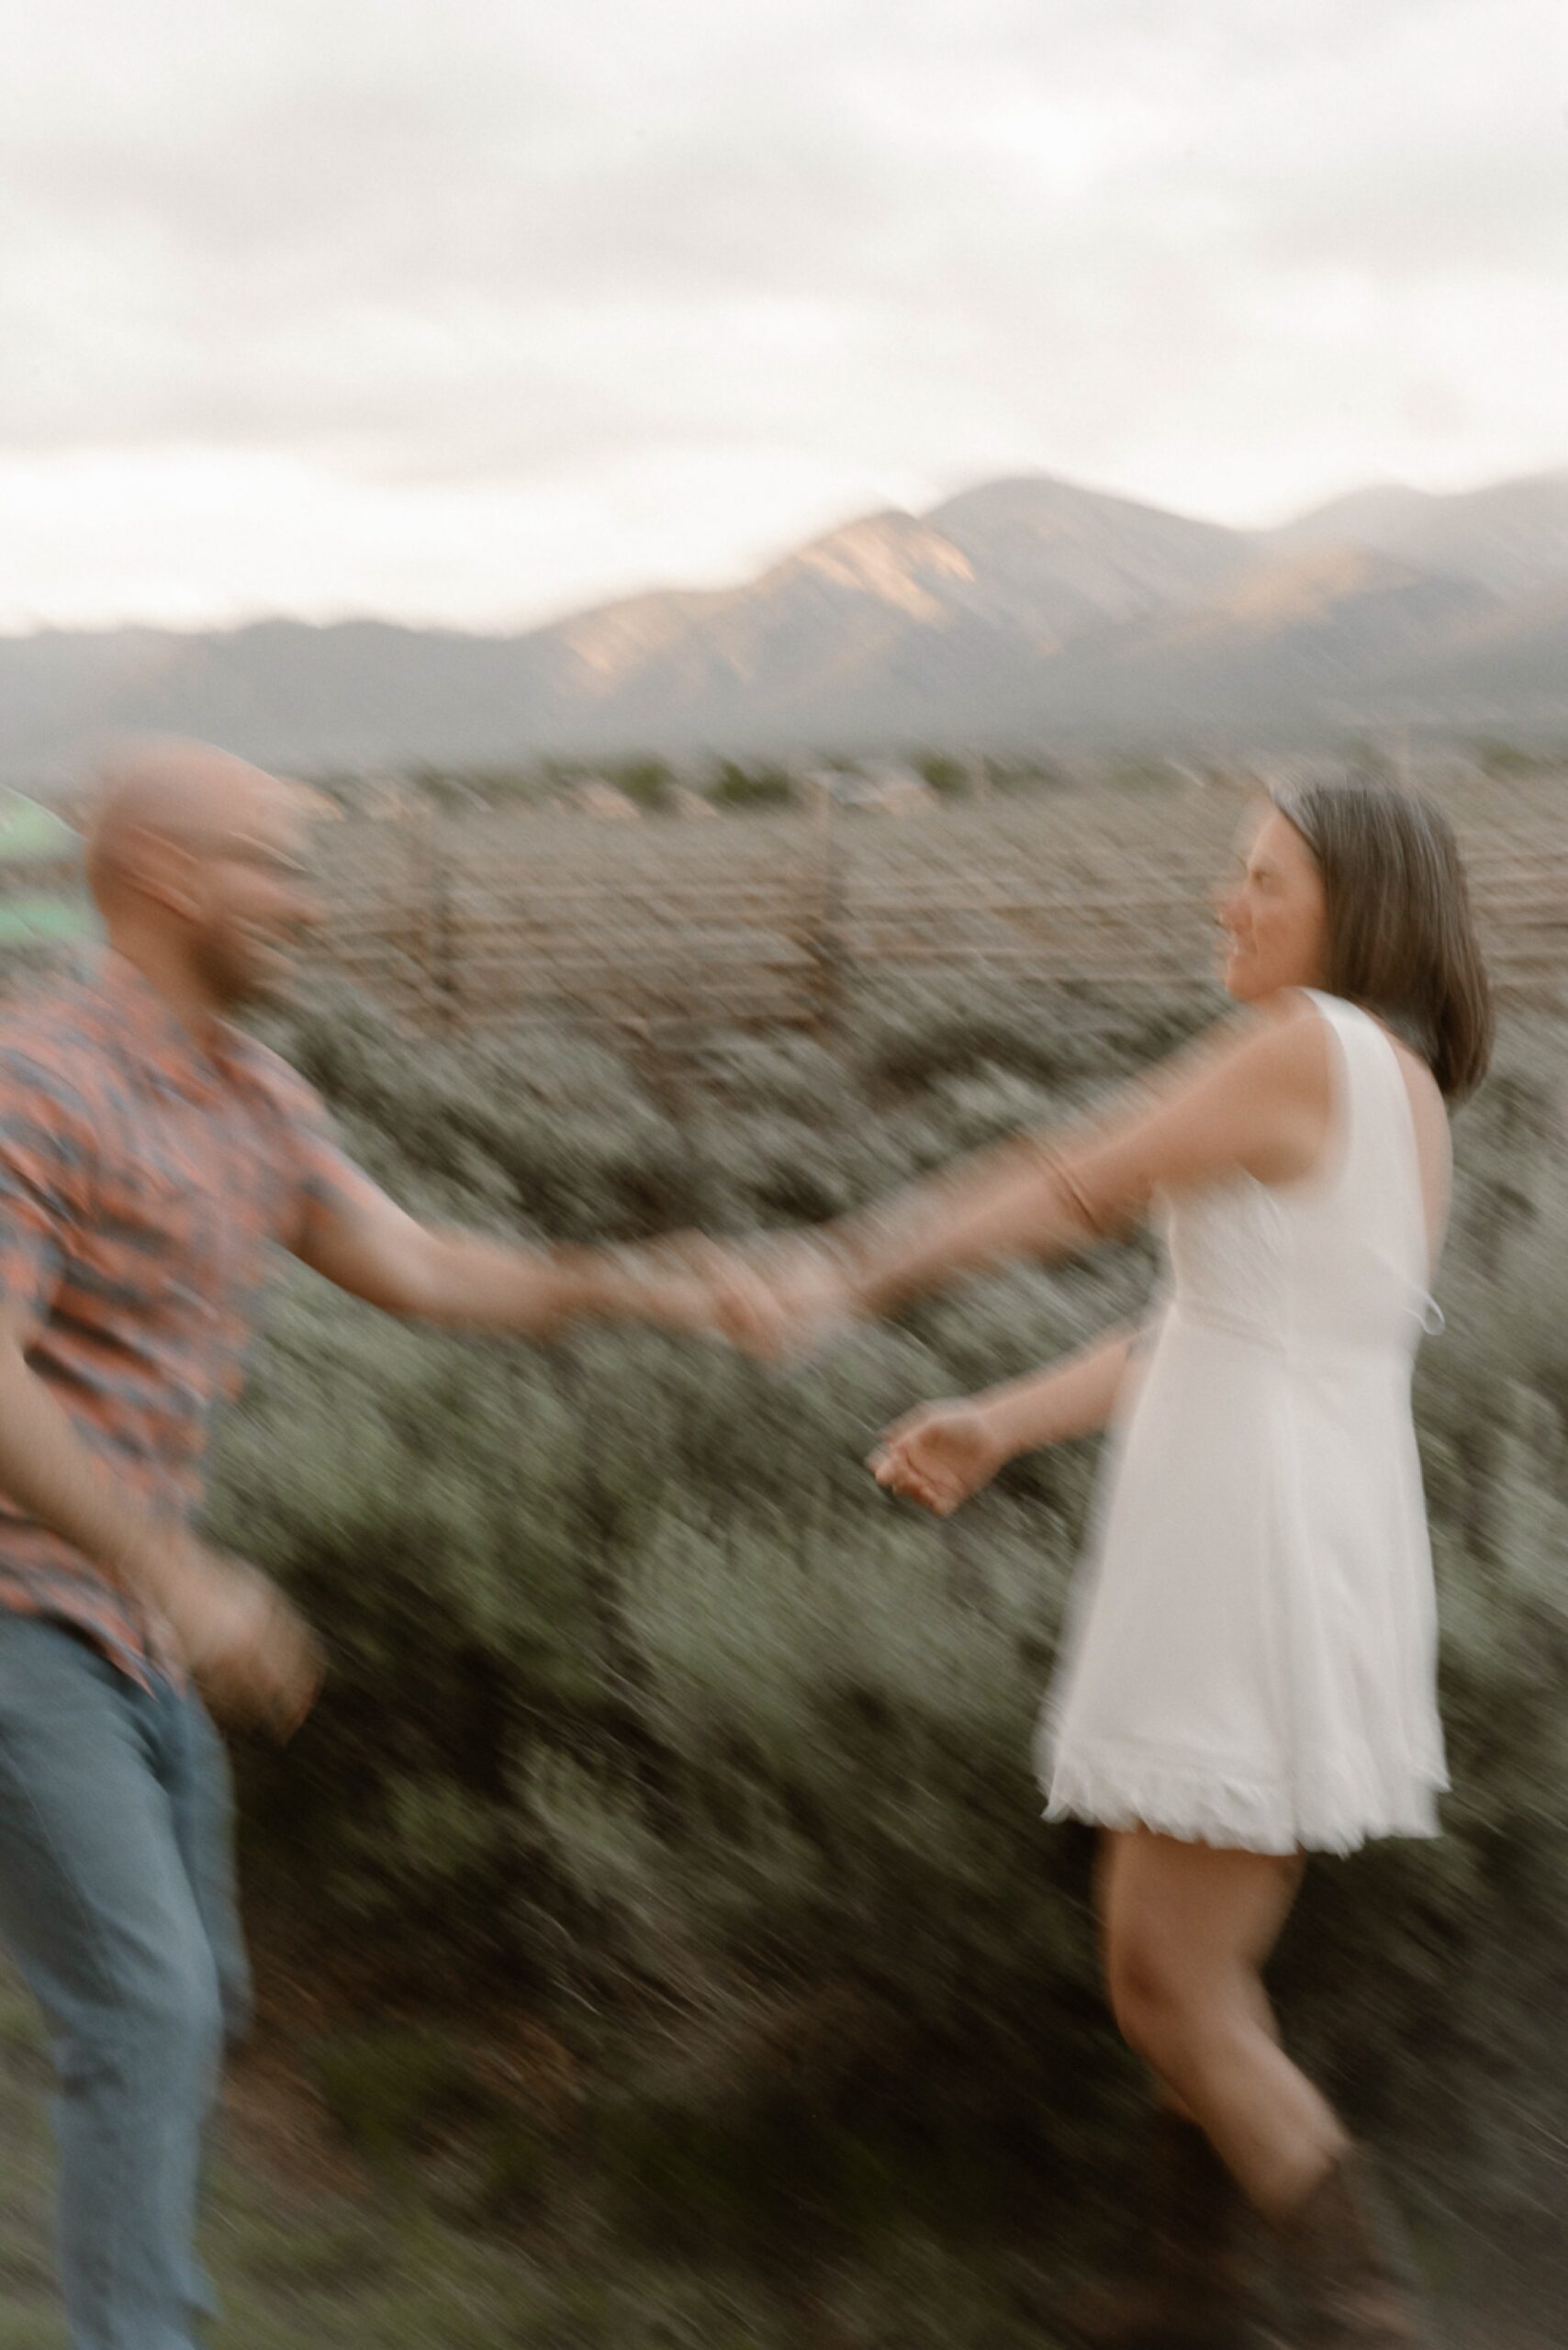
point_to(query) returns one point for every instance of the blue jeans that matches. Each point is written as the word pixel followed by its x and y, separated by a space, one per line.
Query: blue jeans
pixel 117 1901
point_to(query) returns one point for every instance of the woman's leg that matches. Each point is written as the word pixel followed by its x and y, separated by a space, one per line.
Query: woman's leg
pixel 1187 1931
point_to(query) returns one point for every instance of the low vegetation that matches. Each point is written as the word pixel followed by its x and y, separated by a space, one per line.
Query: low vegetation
pixel 662 1750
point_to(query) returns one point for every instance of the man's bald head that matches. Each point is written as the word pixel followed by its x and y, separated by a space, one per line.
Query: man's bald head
pixel 185 794
pixel 196 860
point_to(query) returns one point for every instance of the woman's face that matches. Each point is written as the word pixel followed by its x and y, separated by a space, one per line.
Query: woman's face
pixel 1274 914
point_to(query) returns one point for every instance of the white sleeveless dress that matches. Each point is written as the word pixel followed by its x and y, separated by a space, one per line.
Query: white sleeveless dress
pixel 1252 1649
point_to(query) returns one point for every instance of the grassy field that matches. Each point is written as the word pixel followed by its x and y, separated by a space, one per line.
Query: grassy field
pixel 309 2245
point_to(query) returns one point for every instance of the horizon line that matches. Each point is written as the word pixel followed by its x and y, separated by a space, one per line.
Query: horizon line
pixel 501 632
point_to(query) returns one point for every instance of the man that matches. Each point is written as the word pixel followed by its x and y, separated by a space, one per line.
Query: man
pixel 151 1155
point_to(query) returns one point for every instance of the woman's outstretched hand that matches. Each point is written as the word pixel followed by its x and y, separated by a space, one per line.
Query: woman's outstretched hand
pixel 939 1454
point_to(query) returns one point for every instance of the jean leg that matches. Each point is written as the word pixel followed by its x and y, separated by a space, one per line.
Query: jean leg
pixel 202 1793
pixel 97 1905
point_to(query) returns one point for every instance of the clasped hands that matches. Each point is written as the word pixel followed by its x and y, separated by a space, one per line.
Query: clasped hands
pixel 779 1300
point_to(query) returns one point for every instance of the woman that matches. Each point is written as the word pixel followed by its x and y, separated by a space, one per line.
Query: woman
pixel 1249 1675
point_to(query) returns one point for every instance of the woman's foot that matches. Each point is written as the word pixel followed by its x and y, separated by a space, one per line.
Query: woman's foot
pixel 1344 2251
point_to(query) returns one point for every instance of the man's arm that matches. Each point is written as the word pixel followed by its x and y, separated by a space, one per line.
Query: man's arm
pixel 345 1227
pixel 234 1631
pixel 47 1186
pixel 361 1241
pixel 48 1472
pixel 237 1635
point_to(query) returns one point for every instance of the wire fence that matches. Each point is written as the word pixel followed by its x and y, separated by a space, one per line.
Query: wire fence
pixel 450 922
pixel 752 923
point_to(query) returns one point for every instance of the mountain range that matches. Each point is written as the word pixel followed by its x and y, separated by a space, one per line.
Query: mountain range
pixel 1022 614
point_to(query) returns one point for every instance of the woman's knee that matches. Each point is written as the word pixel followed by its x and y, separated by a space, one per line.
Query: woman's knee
pixel 1167 2004
pixel 1147 1994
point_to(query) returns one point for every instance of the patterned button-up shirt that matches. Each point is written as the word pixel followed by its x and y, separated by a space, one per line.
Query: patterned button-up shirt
pixel 144 1179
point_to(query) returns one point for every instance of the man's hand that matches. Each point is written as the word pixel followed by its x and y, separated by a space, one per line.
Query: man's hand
pixel 250 1652
pixel 939 1455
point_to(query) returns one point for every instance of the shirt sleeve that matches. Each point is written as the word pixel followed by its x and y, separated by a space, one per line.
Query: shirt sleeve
pixel 322 1177
pixel 46 1165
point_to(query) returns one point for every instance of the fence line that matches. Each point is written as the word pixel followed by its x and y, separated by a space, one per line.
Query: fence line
pixel 449 932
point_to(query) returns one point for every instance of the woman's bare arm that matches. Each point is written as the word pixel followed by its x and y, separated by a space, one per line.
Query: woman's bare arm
pixel 941 1453
pixel 1255 1102
pixel 1074 1397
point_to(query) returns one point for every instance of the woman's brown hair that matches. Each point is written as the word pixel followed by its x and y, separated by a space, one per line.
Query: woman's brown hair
pixel 1402 939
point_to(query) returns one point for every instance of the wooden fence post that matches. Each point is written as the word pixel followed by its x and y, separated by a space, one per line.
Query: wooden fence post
pixel 436 945
pixel 826 932
pixel 449 982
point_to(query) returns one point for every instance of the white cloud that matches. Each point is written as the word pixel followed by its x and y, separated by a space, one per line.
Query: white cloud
pixel 478 311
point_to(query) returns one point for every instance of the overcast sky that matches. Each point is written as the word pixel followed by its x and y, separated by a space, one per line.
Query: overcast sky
pixel 475 312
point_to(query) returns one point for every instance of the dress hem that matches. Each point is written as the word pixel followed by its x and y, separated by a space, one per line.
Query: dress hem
pixel 1230 1816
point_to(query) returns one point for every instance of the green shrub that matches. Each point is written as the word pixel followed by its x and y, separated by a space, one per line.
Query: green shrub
pixel 760 785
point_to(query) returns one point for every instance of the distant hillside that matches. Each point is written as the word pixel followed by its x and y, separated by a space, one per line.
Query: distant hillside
pixel 1511 538
pixel 1017 610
